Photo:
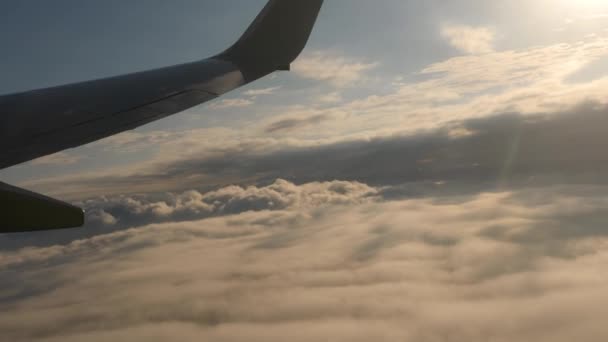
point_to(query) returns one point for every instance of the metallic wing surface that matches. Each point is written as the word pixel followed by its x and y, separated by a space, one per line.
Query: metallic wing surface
pixel 41 122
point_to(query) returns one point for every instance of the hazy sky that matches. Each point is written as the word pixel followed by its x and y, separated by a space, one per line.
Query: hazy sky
pixel 428 171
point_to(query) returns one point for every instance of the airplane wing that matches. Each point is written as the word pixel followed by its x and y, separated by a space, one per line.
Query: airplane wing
pixel 41 122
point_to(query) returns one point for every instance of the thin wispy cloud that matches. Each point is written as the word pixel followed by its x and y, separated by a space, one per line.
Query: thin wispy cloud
pixel 286 124
pixel 261 92
pixel 336 69
pixel 231 103
pixel 249 100
pixel 468 39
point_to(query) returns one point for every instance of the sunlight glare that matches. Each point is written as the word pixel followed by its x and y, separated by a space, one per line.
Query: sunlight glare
pixel 585 4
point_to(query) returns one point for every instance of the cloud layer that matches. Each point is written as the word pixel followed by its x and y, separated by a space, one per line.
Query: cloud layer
pixel 494 151
pixel 471 40
pixel 280 195
pixel 338 70
pixel 518 265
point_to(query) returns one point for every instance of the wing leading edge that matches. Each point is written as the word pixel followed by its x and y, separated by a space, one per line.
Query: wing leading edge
pixel 45 121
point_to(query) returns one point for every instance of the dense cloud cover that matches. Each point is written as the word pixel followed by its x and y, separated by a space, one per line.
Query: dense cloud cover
pixel 108 214
pixel 487 229
pixel 330 261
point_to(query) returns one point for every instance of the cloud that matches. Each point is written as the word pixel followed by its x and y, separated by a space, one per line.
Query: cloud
pixel 251 94
pixel 189 205
pixel 261 92
pixel 528 81
pixel 107 214
pixel 61 158
pixel 293 123
pixel 330 67
pixel 468 39
pixel 585 18
pixel 496 151
pixel 417 269
pixel 230 103
pixel 100 217
pixel 169 142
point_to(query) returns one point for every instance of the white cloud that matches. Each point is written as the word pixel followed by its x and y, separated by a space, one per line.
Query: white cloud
pixel 532 80
pixel 203 160
pixel 497 266
pixel 100 216
pixel 251 95
pixel 468 39
pixel 192 204
pixel 230 103
pixel 330 67
pixel 529 81
pixel 261 92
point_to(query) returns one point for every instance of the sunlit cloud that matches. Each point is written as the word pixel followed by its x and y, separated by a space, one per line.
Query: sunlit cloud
pixel 468 39
pixel 350 270
pixel 338 70
pixel 534 80
pixel 231 103
pixel 261 92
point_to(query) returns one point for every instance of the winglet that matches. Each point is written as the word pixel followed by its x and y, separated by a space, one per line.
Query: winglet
pixel 275 38
pixel 25 211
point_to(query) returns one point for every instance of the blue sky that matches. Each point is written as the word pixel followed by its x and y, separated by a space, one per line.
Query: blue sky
pixel 428 169
pixel 77 40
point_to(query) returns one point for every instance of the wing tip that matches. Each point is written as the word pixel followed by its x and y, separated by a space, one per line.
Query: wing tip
pixel 276 37
pixel 26 211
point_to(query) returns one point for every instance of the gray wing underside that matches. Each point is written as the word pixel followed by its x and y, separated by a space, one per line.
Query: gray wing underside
pixel 42 122
pixel 55 119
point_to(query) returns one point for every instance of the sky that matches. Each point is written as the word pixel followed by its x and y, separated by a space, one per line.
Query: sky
pixel 428 171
